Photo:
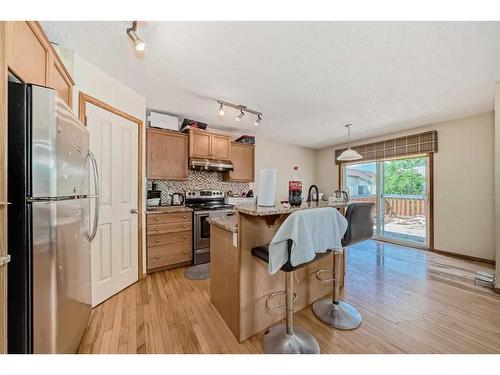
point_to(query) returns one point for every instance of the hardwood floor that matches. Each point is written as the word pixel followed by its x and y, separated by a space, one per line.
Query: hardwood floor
pixel 412 301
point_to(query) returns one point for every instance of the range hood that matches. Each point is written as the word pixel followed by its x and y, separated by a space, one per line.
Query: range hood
pixel 210 165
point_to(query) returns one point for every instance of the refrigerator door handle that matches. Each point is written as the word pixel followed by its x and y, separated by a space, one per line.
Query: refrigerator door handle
pixel 96 196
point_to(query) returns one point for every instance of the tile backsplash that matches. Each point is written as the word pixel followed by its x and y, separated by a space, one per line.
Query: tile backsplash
pixel 198 180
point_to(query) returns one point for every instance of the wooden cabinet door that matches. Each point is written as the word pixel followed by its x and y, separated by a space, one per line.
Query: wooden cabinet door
pixel 221 147
pixel 60 82
pixel 243 159
pixel 27 52
pixel 200 144
pixel 167 155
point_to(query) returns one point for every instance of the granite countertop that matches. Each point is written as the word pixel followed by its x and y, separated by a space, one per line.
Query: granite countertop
pixel 280 209
pixel 228 223
pixel 167 209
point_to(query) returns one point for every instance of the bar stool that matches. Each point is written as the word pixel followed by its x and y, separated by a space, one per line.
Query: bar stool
pixel 285 338
pixel 335 312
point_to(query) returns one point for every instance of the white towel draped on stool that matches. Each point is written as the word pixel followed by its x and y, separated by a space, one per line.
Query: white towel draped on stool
pixel 312 231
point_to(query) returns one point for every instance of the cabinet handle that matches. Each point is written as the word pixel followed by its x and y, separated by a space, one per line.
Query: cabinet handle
pixel 157 257
pixel 157 229
pixel 185 226
pixel 184 217
pixel 185 252
pixel 156 219
pixel 157 241
pixel 184 237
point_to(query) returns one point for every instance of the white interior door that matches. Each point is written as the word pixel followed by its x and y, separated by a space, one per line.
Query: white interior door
pixel 114 142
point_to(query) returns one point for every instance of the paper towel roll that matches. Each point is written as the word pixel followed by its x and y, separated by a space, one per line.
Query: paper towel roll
pixel 267 187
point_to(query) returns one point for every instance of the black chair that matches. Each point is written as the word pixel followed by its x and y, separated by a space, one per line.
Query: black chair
pixel 285 338
pixel 335 312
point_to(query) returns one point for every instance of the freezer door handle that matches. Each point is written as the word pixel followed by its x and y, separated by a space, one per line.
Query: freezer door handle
pixel 4 259
pixel 97 198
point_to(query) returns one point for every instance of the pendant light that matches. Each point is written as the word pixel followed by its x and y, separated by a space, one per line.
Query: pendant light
pixel 349 154
pixel 221 110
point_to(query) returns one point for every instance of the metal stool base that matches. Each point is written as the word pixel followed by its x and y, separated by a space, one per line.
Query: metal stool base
pixel 276 341
pixel 341 316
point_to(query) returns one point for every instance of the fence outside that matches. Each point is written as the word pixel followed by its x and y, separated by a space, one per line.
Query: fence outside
pixel 398 205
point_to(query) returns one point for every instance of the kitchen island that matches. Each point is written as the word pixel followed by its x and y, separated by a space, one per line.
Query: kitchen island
pixel 240 283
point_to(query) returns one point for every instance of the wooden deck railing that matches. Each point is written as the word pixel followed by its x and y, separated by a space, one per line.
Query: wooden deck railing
pixel 398 205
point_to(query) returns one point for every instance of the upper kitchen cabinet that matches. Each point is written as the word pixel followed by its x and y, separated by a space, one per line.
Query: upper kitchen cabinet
pixel 221 147
pixel 31 58
pixel 203 144
pixel 243 159
pixel 167 155
pixel 60 81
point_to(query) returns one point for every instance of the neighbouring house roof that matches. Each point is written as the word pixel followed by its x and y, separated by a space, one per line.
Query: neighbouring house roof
pixel 364 175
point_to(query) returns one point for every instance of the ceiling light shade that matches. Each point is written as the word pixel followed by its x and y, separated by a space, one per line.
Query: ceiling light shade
pixel 240 116
pixel 349 154
pixel 221 110
pixel 258 120
pixel 138 42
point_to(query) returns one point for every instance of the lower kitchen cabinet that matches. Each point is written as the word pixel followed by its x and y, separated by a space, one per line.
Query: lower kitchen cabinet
pixel 169 240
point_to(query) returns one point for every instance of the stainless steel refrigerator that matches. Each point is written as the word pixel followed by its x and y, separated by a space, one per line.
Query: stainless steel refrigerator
pixel 53 186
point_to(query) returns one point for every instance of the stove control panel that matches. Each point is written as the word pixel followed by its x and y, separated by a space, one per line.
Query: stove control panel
pixel 204 194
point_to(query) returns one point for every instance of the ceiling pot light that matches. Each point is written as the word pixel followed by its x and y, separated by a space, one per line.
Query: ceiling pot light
pixel 221 110
pixel 138 42
pixel 258 120
pixel 349 154
pixel 240 116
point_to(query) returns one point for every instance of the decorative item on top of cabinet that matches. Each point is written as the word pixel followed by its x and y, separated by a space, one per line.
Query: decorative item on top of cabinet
pixel 169 240
pixel 32 59
pixel 243 159
pixel 167 155
pixel 203 144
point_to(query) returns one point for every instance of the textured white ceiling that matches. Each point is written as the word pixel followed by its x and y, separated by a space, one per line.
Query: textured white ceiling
pixel 308 78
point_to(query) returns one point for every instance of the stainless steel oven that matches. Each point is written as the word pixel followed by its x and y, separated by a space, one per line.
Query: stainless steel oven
pixel 205 203
pixel 201 233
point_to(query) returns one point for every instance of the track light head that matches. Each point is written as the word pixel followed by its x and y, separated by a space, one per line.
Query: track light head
pixel 240 116
pixel 221 110
pixel 138 42
pixel 258 120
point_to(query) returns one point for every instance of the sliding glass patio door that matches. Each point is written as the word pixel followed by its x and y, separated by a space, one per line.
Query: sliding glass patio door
pixel 400 190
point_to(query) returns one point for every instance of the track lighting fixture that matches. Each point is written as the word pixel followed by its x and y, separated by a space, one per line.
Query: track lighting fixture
pixel 138 42
pixel 243 110
pixel 258 120
pixel 240 116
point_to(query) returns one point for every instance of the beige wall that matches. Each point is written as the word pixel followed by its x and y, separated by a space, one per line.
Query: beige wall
pixel 284 157
pixel 463 183
pixel 497 179
pixel 93 81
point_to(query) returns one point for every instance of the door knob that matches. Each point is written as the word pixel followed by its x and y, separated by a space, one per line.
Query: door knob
pixel 134 211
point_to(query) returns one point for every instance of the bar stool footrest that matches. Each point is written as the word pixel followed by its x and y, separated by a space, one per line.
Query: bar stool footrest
pixel 319 272
pixel 275 294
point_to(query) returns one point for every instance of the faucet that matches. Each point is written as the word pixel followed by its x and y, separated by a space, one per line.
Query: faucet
pixel 309 196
